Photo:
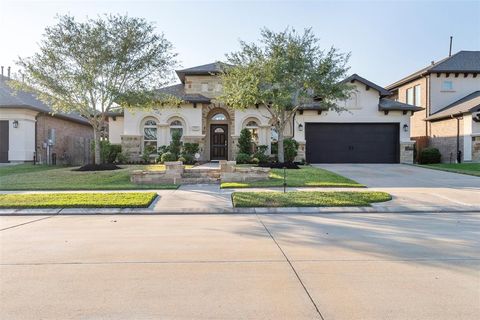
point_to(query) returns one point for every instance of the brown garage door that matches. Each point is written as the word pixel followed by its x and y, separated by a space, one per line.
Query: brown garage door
pixel 352 142
pixel 4 141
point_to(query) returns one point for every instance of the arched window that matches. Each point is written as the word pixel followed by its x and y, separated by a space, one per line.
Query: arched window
pixel 150 134
pixel 252 126
pixel 273 134
pixel 219 117
pixel 176 126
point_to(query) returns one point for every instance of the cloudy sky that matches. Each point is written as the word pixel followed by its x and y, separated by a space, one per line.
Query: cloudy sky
pixel 387 39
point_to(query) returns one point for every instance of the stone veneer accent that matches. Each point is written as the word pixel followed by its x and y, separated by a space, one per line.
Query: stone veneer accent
pixel 175 173
pixel 476 149
pixel 406 151
pixel 132 146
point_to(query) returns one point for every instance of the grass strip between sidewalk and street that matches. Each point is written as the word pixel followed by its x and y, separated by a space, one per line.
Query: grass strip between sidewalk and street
pixel 306 176
pixel 308 199
pixel 77 200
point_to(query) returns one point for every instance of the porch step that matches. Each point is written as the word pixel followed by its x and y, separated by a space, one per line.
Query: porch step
pixel 204 180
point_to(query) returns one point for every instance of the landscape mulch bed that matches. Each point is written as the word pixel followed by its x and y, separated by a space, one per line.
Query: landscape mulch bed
pixel 98 167
pixel 278 165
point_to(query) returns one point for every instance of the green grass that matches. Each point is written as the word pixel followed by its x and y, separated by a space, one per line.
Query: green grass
pixel 465 168
pixel 78 200
pixel 307 176
pixel 308 199
pixel 30 177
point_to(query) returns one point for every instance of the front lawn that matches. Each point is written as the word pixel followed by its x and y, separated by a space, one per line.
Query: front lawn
pixel 308 199
pixel 465 168
pixel 40 177
pixel 307 176
pixel 78 200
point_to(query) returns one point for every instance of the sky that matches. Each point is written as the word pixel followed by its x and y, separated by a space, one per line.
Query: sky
pixel 387 39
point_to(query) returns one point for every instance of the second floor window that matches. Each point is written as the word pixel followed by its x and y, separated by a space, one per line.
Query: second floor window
pixel 414 95
pixel 447 86
pixel 417 95
pixel 204 87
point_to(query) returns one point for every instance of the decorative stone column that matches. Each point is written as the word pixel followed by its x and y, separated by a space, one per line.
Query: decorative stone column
pixel 406 151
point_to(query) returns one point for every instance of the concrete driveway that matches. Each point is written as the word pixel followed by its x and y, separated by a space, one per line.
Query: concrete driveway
pixel 415 187
pixel 402 176
pixel 335 266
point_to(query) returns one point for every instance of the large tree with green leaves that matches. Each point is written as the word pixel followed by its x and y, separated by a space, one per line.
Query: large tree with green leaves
pixel 93 66
pixel 284 72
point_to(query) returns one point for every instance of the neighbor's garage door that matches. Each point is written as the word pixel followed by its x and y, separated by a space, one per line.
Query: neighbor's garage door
pixel 352 142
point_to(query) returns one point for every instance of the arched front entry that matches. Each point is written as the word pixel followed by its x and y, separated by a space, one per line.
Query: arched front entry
pixel 218 134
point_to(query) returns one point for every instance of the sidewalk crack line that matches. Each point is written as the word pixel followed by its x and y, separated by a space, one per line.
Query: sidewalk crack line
pixel 291 266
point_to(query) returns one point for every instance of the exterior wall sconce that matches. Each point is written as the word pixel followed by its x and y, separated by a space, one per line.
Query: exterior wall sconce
pixel 405 127
pixel 15 123
pixel 300 127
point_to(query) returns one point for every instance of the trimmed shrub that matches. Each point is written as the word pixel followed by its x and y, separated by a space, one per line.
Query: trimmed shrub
pixel 182 159
pixel 189 159
pixel 254 161
pixel 260 154
pixel 245 142
pixel 188 152
pixel 121 158
pixel 147 152
pixel 168 156
pixel 430 155
pixel 290 147
pixel 243 158
pixel 176 144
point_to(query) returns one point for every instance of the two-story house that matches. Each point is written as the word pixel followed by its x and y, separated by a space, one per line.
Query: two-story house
pixel 449 90
pixel 372 129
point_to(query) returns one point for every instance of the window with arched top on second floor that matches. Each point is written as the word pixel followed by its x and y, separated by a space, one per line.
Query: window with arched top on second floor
pixel 150 134
pixel 176 126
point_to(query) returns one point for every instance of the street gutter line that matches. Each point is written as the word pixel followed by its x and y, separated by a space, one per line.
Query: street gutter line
pixel 291 266
pixel 22 224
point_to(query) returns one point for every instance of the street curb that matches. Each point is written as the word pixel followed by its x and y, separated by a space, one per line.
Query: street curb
pixel 195 211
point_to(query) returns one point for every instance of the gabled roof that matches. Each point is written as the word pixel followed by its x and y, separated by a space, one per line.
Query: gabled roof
pixel 460 62
pixel 10 98
pixel 470 103
pixel 356 77
pixel 178 90
pixel 206 69
pixel 392 105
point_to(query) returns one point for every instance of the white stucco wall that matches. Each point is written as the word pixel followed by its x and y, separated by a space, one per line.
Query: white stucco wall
pixel 115 129
pixel 462 86
pixel 363 107
pixel 467 137
pixel 21 139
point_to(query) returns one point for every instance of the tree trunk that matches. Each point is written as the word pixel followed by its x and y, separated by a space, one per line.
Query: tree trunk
pixel 96 140
pixel 281 151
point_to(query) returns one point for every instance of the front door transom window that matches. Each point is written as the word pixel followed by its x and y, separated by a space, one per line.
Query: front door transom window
pixel 219 117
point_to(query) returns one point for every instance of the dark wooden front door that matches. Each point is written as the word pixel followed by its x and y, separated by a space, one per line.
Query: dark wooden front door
pixel 218 142
pixel 4 140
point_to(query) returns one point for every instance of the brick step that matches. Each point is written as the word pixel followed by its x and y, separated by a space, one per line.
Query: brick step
pixel 200 180
pixel 215 175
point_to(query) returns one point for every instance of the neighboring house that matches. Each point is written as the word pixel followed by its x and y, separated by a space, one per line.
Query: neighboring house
pixel 449 90
pixel 29 130
pixel 372 129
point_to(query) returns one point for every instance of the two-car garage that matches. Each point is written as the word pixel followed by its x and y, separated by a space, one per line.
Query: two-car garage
pixel 352 142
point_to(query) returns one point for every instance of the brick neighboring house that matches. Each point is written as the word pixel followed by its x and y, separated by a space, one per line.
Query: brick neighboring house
pixel 28 129
pixel 449 90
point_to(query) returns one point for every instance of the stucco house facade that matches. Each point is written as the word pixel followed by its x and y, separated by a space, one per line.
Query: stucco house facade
pixel 449 92
pixel 30 131
pixel 371 129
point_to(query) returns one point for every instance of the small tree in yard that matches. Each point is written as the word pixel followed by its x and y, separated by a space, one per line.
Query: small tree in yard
pixel 93 66
pixel 285 72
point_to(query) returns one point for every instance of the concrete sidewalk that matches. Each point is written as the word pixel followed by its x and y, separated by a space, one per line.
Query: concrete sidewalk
pixel 203 199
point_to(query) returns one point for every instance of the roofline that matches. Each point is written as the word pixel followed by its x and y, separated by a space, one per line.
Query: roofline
pixel 56 115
